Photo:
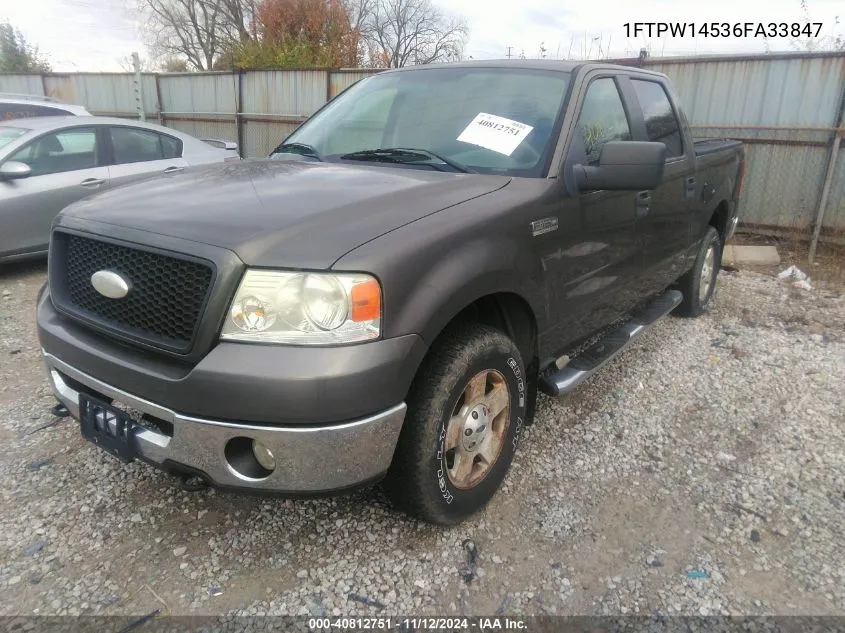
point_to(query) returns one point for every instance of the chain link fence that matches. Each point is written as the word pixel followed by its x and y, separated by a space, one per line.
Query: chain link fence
pixel 786 169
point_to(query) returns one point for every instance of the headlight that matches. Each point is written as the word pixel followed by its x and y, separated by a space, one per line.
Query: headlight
pixel 304 308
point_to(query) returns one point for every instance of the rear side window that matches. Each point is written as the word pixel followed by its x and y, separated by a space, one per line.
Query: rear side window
pixel 170 147
pixel 661 124
pixel 9 111
pixel 137 146
pixel 602 118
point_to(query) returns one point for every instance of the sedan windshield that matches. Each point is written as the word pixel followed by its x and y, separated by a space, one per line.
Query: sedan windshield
pixel 487 120
pixel 9 134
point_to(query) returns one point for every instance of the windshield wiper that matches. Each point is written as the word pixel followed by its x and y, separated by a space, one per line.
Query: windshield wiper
pixel 304 150
pixel 405 155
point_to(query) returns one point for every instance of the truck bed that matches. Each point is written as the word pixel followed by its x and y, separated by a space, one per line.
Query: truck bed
pixel 707 146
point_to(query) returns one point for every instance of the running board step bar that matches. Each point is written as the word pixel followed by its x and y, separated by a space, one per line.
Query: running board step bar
pixel 593 358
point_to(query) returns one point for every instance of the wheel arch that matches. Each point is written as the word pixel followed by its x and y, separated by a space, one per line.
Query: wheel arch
pixel 719 219
pixel 505 310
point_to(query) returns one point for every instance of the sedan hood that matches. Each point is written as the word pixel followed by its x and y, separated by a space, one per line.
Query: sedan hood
pixel 285 213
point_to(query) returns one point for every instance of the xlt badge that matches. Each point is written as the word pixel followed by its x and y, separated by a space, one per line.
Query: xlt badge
pixel 545 225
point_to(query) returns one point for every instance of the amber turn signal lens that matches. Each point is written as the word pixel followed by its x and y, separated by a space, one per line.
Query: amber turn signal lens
pixel 366 301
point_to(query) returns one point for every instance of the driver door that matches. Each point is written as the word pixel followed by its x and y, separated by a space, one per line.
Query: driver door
pixel 66 166
pixel 593 261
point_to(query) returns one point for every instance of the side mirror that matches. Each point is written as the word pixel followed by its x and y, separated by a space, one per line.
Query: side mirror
pixel 624 165
pixel 13 170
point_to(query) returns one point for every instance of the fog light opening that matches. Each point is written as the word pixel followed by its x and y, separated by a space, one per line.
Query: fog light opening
pixel 249 458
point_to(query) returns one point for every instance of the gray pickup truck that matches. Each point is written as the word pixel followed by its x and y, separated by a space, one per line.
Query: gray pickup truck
pixel 385 295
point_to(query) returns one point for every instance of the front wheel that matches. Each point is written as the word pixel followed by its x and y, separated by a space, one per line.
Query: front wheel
pixel 699 283
pixel 465 414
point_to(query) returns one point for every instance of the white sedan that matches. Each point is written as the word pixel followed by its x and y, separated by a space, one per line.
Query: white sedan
pixel 47 163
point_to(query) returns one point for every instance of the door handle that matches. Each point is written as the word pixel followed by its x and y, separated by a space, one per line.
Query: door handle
pixel 643 202
pixel 689 186
pixel 92 182
pixel 173 170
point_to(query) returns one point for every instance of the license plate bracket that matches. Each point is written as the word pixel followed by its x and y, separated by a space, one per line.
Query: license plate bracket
pixel 108 427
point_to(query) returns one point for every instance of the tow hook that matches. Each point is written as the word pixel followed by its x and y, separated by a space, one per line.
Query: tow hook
pixel 60 411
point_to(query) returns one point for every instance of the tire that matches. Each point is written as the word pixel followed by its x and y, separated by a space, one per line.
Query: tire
pixel 448 464
pixel 697 297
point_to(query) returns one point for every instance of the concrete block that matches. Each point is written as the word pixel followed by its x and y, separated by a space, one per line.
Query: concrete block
pixel 751 256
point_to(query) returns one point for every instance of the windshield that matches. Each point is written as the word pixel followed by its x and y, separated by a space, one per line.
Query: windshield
pixel 9 134
pixel 489 120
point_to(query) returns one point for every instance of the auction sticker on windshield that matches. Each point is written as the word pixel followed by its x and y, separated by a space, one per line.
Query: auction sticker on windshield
pixel 495 133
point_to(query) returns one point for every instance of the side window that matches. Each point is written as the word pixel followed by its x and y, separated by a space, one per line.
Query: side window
pixel 661 125
pixel 136 146
pixel 602 118
pixel 67 150
pixel 170 147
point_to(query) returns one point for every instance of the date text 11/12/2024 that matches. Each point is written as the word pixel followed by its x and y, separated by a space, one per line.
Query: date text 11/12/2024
pixel 417 624
pixel 723 29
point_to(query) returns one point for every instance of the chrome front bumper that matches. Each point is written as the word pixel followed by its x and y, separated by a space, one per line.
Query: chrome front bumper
pixel 308 459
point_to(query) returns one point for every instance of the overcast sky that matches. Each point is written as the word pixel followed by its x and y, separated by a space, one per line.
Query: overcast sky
pixel 98 34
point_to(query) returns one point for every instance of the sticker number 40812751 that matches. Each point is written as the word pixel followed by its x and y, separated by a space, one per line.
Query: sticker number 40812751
pixel 495 133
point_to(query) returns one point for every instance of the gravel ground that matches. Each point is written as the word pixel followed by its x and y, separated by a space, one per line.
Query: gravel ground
pixel 702 472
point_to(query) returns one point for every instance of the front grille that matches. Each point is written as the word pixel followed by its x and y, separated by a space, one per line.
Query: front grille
pixel 164 304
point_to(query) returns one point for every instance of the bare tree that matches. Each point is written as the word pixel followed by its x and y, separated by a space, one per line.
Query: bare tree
pixel 196 30
pixel 358 12
pixel 173 65
pixel 833 41
pixel 240 15
pixel 397 33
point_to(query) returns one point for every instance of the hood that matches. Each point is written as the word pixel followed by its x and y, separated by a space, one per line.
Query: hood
pixel 286 213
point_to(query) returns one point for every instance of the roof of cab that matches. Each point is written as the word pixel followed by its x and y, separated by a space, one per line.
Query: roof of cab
pixel 533 64
pixel 530 64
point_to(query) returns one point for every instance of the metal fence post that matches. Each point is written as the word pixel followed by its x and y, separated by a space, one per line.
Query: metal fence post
pixel 158 98
pixel 839 122
pixel 329 84
pixel 239 119
pixel 828 179
pixel 139 87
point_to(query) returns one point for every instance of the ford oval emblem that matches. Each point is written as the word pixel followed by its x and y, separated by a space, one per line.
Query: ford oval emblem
pixel 110 284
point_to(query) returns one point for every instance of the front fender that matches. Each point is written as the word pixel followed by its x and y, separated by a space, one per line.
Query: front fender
pixel 455 281
pixel 432 269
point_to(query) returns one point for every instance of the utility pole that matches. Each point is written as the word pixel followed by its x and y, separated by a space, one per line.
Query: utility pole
pixel 139 87
pixel 509 51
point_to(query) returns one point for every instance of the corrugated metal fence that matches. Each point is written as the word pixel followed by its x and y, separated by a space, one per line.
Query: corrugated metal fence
pixel 257 108
pixel 787 108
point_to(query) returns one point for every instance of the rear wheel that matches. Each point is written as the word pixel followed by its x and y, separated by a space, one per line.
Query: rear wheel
pixel 699 283
pixel 465 414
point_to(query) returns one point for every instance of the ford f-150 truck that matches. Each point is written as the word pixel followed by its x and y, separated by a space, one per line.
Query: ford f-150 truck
pixel 384 296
